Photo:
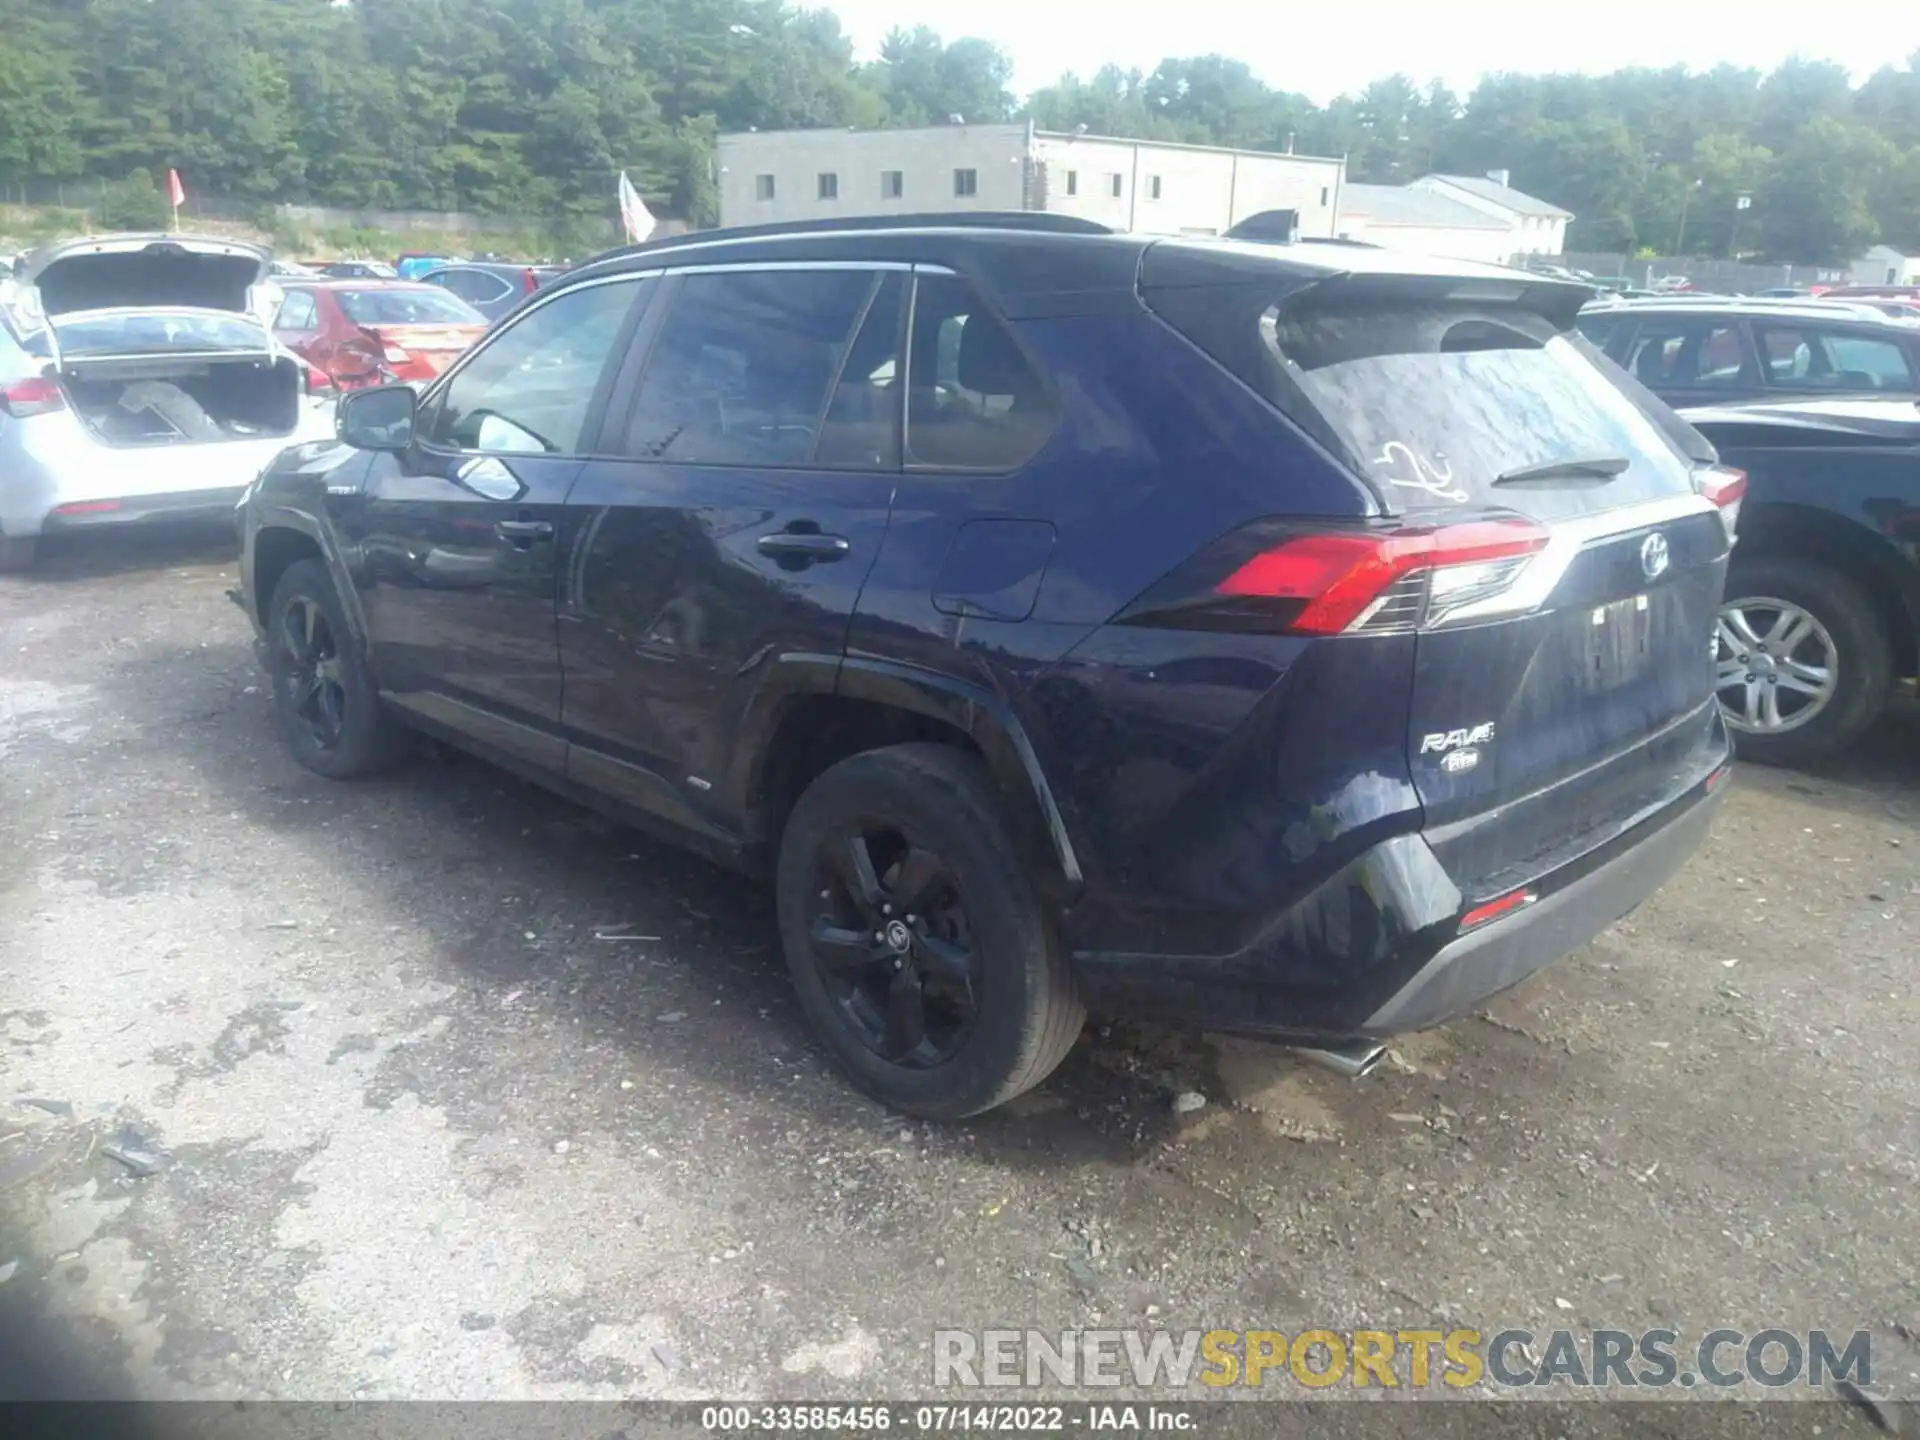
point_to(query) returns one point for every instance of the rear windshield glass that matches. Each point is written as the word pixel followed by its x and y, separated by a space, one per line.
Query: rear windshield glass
pixel 1434 402
pixel 425 306
pixel 156 332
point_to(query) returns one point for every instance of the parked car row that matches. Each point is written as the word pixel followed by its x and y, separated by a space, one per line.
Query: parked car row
pixel 1304 641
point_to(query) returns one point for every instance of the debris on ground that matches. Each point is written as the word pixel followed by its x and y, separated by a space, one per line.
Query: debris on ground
pixel 62 1108
pixel 1188 1101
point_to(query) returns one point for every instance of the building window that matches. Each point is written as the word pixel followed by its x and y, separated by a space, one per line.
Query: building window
pixel 1113 185
pixel 1073 182
pixel 1323 195
pixel 829 185
pixel 763 187
pixel 1153 187
pixel 893 184
pixel 966 182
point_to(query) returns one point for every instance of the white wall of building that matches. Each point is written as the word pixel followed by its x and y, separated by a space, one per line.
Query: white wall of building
pixel 1532 234
pixel 925 160
pixel 1181 189
pixel 1541 235
pixel 1489 246
pixel 1129 185
pixel 1884 265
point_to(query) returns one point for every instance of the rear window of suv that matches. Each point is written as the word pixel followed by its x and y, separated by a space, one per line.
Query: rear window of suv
pixel 1434 401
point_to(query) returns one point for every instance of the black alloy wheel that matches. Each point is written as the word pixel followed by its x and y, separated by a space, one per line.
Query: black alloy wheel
pixel 325 697
pixel 310 671
pixel 892 944
pixel 913 920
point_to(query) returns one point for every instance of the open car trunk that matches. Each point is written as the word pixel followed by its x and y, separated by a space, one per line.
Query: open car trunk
pixel 165 400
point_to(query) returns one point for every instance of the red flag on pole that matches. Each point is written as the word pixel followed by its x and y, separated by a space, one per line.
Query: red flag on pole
pixel 176 195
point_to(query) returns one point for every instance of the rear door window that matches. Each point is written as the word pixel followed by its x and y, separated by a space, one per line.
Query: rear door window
pixel 760 368
pixel 1599 328
pixel 297 313
pixel 974 399
pixel 1692 353
pixel 1814 358
pixel 1443 404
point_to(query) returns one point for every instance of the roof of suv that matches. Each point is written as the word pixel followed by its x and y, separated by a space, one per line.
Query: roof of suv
pixel 1039 264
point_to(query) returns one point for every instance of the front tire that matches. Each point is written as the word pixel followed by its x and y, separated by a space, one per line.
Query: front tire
pixel 916 937
pixel 1804 663
pixel 323 692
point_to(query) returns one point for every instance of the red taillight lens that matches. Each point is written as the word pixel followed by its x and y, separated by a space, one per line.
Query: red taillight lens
pixel 1726 487
pixel 1343 580
pixel 35 396
pixel 1494 909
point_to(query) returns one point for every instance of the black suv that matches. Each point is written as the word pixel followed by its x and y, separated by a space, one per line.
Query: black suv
pixel 1713 350
pixel 1301 641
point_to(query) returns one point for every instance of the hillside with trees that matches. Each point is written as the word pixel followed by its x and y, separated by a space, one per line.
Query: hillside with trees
pixel 532 106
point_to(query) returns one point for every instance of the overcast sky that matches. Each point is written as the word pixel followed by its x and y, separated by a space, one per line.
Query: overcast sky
pixel 1322 49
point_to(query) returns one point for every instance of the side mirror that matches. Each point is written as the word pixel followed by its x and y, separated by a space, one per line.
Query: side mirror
pixel 377 419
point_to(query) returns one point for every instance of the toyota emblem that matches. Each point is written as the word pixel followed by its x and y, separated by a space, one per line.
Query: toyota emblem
pixel 1653 556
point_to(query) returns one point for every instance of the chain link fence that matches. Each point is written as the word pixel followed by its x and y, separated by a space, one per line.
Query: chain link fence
pixel 1728 277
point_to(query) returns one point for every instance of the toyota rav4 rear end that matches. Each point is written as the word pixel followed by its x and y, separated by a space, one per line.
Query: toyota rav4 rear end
pixel 1354 773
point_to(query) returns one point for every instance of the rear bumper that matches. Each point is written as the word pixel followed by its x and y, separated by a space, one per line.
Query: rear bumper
pixel 186 506
pixel 1385 931
pixel 1498 956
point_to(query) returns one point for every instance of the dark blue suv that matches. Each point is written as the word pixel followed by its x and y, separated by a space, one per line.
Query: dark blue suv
pixel 1295 641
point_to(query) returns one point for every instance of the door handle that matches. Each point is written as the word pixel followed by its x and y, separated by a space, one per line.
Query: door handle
pixel 523 532
pixel 804 545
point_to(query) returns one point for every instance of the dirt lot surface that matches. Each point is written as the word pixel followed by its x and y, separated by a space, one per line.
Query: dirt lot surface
pixel 370 1090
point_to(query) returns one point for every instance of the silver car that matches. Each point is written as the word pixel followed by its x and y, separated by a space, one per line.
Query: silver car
pixel 138 381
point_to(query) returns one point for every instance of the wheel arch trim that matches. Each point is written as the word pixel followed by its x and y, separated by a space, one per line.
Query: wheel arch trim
pixel 282 517
pixel 985 718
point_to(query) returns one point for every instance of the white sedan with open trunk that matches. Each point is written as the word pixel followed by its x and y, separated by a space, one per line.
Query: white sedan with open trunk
pixel 157 393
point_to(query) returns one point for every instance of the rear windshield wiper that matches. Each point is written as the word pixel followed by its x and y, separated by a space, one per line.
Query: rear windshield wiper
pixel 1602 467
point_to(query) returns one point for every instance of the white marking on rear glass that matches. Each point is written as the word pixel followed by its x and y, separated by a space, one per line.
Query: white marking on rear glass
pixel 1435 477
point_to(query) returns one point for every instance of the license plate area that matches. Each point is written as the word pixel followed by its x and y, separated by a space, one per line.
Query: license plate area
pixel 1618 650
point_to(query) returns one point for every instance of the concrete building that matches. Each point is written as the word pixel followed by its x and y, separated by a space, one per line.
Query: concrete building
pixel 1459 217
pixel 1539 228
pixel 1884 265
pixel 1400 217
pixel 776 176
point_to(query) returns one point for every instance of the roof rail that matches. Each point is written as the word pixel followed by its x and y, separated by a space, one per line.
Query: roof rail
pixel 1038 221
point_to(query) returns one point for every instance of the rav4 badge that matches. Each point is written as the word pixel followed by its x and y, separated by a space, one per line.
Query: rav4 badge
pixel 1442 741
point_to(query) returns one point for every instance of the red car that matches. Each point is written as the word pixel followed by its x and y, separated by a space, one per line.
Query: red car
pixel 374 332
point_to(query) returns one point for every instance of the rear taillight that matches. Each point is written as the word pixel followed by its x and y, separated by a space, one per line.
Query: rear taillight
pixel 1726 487
pixel 1347 581
pixel 35 396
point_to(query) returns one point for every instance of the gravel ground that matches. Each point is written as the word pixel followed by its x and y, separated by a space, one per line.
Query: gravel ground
pixel 419 1126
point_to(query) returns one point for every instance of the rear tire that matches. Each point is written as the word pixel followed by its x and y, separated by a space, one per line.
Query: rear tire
pixel 940 990
pixel 323 693
pixel 1847 633
pixel 17 553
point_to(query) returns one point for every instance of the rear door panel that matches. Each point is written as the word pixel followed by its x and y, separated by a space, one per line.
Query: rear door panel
pixel 736 529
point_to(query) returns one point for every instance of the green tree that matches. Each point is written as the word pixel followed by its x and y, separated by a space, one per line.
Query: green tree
pixel 1816 203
